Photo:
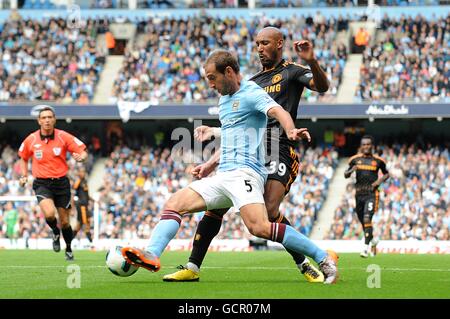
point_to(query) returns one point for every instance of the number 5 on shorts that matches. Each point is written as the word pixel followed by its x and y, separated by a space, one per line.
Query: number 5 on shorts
pixel 247 183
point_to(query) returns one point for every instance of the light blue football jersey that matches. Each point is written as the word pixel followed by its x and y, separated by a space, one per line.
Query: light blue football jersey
pixel 243 116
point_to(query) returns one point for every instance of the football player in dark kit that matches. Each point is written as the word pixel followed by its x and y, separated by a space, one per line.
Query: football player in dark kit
pixel 81 199
pixel 284 81
pixel 366 165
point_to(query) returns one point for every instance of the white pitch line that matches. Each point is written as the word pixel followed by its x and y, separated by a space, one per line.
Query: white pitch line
pixel 231 268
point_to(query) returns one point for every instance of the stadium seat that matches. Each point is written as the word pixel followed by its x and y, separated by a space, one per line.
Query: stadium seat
pixel 48 4
pixel 27 4
pixel 38 4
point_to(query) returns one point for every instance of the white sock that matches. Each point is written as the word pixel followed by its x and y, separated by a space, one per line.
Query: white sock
pixel 306 261
pixel 192 267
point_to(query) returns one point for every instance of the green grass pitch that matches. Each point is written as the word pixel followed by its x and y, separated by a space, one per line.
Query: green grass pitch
pixel 246 275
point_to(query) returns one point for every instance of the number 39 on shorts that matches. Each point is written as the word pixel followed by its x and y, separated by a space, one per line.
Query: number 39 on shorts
pixel 273 168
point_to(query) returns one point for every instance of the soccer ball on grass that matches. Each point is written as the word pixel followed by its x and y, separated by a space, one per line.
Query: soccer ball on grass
pixel 117 264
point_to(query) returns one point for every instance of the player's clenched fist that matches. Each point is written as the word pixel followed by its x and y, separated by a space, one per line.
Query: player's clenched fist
pixel 304 50
pixel 202 170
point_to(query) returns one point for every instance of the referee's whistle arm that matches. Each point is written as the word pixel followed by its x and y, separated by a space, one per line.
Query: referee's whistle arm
pixel 80 157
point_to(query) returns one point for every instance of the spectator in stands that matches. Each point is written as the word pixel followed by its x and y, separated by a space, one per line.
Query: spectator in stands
pixel 328 137
pixel 340 141
pixel 110 42
pixel 361 40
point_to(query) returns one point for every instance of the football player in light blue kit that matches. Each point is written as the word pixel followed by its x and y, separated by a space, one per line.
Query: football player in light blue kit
pixel 243 110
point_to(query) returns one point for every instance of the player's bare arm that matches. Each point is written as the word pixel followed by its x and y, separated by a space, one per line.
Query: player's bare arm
pixel 205 133
pixel 349 171
pixel 287 123
pixel 201 134
pixel 380 180
pixel 305 51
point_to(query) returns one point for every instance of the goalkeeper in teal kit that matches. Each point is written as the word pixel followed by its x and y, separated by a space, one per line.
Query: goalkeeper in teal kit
pixel 243 110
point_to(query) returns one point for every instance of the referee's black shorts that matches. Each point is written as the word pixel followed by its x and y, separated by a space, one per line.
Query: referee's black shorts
pixel 57 189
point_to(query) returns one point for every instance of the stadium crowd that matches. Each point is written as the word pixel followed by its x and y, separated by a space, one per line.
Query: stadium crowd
pixel 414 202
pixel 48 60
pixel 411 63
pixel 152 4
pixel 137 182
pixel 167 64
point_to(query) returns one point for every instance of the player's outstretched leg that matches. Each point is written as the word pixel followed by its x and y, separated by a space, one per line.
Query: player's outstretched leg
pixel 255 218
pixel 208 228
pixel 141 258
pixel 298 242
pixel 311 273
pixel 185 200
pixel 165 230
pixel 275 191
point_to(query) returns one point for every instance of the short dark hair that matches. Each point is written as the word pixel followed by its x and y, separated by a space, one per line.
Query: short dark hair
pixel 368 137
pixel 222 59
pixel 46 108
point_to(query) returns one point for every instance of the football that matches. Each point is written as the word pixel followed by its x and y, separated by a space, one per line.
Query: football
pixel 117 264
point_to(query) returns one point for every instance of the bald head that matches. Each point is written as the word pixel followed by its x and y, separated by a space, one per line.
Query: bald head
pixel 269 44
pixel 271 32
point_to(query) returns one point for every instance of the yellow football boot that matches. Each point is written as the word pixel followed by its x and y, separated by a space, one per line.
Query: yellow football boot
pixel 311 273
pixel 184 274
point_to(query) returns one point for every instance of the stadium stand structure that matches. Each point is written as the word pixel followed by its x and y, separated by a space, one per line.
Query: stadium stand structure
pixel 163 62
